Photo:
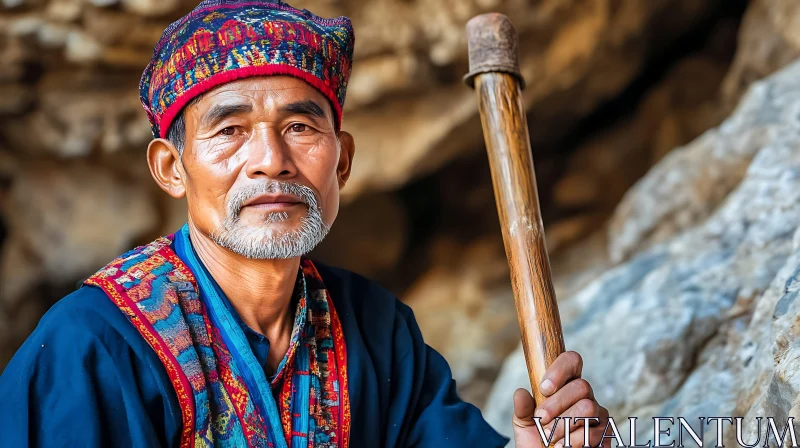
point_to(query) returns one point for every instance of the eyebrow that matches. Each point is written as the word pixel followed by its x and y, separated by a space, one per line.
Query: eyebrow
pixel 222 111
pixel 305 107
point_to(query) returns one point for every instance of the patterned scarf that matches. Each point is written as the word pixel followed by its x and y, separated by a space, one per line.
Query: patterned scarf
pixel 224 395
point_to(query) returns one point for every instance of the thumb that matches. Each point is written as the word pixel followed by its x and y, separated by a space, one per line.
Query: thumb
pixel 525 433
pixel 523 408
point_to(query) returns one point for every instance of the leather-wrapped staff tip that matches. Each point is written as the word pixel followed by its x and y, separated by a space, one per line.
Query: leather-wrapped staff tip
pixel 494 74
pixel 493 47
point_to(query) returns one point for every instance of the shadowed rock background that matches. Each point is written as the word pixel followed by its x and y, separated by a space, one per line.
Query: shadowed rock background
pixel 679 293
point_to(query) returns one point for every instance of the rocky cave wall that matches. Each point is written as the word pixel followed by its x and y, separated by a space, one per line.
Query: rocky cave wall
pixel 614 86
pixel 694 313
pixel 702 318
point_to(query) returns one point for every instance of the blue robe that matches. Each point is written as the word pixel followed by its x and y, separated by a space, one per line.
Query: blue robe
pixel 85 377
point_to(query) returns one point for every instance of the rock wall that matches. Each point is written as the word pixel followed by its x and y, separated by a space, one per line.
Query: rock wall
pixel 769 39
pixel 72 67
pixel 701 319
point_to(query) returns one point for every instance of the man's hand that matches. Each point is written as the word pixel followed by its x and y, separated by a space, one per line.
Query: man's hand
pixel 568 395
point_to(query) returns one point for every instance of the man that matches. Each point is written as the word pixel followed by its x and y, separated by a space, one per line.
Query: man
pixel 222 333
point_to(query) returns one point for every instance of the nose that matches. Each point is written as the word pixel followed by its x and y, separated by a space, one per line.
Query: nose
pixel 269 156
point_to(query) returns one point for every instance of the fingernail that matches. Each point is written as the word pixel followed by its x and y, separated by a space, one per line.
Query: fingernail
pixel 559 445
pixel 541 413
pixel 548 387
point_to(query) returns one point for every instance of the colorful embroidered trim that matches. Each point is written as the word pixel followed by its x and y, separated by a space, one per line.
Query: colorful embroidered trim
pixel 158 293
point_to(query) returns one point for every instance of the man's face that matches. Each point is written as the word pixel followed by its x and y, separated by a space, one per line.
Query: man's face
pixel 263 165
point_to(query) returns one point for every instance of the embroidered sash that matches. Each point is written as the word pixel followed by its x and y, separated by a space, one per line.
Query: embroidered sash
pixel 225 400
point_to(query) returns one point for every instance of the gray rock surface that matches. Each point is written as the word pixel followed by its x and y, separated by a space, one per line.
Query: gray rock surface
pixel 702 319
pixel 55 229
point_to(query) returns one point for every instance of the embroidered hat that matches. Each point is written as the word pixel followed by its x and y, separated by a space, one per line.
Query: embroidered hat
pixel 225 40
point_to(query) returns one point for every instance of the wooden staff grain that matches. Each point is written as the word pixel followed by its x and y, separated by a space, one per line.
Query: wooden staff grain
pixel 508 146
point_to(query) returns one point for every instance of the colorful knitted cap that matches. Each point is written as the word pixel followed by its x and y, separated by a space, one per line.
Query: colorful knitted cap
pixel 224 40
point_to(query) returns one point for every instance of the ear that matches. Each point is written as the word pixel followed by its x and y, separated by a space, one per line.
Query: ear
pixel 348 149
pixel 166 168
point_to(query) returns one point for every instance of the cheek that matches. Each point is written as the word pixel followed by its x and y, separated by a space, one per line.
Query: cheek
pixel 210 179
pixel 221 156
pixel 320 170
pixel 330 206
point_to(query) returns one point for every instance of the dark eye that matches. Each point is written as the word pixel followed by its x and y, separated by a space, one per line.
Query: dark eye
pixel 228 131
pixel 297 127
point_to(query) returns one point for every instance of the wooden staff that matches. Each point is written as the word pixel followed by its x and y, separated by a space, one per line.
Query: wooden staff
pixel 494 74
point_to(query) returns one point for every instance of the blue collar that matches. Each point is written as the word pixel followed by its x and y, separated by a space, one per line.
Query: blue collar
pixel 226 320
pixel 259 344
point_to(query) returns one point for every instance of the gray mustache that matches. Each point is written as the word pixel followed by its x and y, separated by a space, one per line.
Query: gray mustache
pixel 244 194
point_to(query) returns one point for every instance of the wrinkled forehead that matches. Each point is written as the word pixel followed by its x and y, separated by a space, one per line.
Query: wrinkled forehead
pixel 264 94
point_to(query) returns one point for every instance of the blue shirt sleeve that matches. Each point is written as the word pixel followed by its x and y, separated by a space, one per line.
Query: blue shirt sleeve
pixel 402 391
pixel 77 381
pixel 440 418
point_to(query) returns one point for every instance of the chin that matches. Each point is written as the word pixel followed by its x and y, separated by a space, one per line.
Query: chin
pixel 269 231
pixel 270 220
pixel 272 235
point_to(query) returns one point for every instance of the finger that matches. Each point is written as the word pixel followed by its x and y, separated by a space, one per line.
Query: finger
pixel 577 438
pixel 567 366
pixel 523 408
pixel 525 432
pixel 582 409
pixel 555 405
pixel 598 419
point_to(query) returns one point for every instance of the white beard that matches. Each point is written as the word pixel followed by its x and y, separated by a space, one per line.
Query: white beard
pixel 262 241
